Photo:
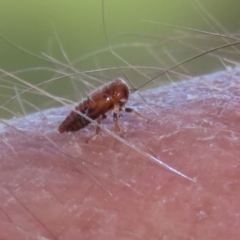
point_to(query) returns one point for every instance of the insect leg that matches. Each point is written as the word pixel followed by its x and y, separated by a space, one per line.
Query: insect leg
pixel 137 113
pixel 98 129
pixel 115 121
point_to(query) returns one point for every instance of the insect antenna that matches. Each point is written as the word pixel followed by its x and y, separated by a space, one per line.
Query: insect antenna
pixel 188 60
pixel 114 55
pixel 110 47
pixel 151 157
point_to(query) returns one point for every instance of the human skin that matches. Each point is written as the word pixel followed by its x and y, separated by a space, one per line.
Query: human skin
pixel 56 186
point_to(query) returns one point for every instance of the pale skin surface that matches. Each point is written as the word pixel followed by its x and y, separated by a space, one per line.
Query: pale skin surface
pixel 67 189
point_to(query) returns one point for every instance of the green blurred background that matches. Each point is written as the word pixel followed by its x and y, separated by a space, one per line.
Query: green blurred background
pixel 36 26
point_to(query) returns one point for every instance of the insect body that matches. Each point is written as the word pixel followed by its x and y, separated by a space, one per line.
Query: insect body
pixel 112 96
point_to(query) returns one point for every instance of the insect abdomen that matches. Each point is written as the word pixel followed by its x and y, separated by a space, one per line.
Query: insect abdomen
pixel 74 121
pixel 114 94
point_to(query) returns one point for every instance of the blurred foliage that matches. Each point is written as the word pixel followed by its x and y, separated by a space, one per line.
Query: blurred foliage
pixel 76 29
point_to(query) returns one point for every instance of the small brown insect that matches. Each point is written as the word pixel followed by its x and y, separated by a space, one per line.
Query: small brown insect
pixel 112 96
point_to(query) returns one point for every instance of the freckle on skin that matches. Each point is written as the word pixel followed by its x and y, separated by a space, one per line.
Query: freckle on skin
pixel 64 188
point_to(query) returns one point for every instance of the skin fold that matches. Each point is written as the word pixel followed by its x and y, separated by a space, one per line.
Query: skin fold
pixel 56 186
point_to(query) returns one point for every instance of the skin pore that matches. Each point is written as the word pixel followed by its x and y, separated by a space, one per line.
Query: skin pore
pixel 56 186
